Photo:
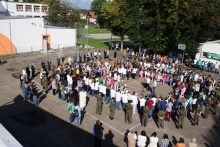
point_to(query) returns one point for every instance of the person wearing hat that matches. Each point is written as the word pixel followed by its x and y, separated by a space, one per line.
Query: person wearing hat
pixel 128 112
pixel 208 104
pixel 145 116
pixel 192 143
pixel 112 109
pixel 181 117
pixel 161 116
pixel 99 104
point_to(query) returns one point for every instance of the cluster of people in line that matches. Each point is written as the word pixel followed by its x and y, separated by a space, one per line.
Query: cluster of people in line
pixel 142 140
pixel 74 81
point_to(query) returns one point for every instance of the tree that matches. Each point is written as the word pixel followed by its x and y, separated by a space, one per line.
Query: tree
pixel 163 24
pixel 96 6
pixel 115 15
pixel 198 22
pixel 61 14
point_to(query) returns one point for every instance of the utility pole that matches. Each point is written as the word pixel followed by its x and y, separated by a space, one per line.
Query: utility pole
pixel 87 27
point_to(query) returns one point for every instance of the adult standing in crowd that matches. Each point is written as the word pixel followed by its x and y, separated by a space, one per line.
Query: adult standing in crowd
pixel 99 104
pixel 128 112
pixel 146 110
pixel 98 132
pixel 112 108
pixel 153 140
pixel 180 143
pixel 33 70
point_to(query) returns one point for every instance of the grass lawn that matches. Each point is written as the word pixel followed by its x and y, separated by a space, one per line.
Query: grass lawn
pixel 93 30
pixel 97 43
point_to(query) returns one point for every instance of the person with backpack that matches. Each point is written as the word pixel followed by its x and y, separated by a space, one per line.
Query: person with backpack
pixel 71 109
pixel 77 111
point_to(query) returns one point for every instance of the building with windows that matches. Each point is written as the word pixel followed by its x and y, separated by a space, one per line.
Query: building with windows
pixel 12 8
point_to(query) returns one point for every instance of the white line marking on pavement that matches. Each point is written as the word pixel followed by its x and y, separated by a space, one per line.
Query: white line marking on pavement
pixel 105 124
pixel 132 127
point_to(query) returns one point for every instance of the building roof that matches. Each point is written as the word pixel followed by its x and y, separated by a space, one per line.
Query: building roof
pixel 92 14
pixel 212 42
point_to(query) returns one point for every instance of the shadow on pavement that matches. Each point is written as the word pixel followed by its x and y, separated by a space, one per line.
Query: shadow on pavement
pixel 213 136
pixel 35 127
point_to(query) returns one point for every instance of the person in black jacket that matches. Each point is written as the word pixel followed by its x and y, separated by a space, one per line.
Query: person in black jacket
pixel 32 70
pixel 98 132
pixel 28 73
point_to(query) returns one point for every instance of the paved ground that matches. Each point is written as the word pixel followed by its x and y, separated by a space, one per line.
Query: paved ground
pixel 47 124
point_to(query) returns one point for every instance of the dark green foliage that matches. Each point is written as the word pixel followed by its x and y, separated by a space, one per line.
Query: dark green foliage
pixel 162 24
pixel 96 7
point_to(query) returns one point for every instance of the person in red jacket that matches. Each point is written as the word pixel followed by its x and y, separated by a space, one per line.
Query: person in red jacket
pixel 150 104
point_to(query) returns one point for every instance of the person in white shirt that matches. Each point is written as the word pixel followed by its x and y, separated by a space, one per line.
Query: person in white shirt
pixel 153 140
pixel 96 88
pixel 70 81
pixel 133 74
pixel 82 99
pixel 196 76
pixel 123 73
pixel 154 99
pixel 124 99
pixel 115 76
pixel 142 102
pixel 142 139
pixel 134 101
pixel 154 85
pixel 113 92
pixel 148 82
pixel 118 100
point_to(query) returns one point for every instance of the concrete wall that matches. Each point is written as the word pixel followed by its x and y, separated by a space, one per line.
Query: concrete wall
pixel 27 34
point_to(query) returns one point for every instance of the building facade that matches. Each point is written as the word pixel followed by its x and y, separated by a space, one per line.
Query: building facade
pixel 12 8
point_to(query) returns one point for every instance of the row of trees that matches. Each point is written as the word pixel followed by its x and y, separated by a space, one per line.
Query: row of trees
pixel 161 24
pixel 61 13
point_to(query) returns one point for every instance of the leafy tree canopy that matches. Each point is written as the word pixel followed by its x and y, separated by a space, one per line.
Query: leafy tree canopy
pixel 61 14
pixel 96 6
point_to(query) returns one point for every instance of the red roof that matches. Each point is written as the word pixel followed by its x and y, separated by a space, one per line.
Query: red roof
pixel 92 14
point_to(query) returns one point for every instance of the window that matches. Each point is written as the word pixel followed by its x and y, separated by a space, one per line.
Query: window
pixel 28 8
pixel 36 8
pixel 44 8
pixel 204 54
pixel 19 7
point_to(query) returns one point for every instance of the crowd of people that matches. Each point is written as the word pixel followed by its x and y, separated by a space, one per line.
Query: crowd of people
pixel 75 81
pixel 142 140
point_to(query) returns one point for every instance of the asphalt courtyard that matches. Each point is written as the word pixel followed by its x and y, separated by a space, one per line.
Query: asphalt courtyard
pixel 47 124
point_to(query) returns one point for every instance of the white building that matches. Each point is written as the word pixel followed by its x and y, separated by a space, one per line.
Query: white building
pixel 20 34
pixel 12 8
pixel 209 51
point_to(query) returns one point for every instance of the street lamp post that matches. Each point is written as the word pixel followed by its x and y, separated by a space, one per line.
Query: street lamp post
pixel 87 27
